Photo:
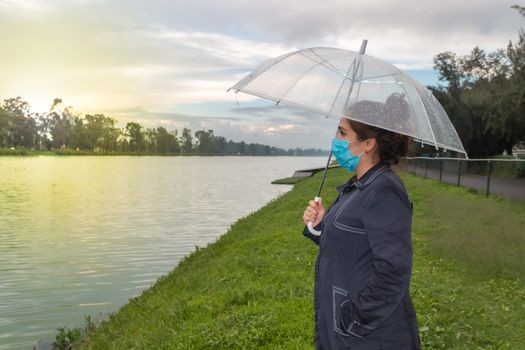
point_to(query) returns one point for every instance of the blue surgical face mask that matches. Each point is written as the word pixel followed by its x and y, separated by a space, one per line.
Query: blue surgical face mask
pixel 344 156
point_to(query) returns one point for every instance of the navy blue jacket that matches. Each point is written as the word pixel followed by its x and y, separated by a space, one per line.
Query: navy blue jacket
pixel 364 265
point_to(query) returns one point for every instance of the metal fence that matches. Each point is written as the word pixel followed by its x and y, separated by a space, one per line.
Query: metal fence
pixel 502 177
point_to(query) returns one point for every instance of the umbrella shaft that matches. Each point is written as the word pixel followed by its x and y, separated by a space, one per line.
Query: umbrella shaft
pixel 324 174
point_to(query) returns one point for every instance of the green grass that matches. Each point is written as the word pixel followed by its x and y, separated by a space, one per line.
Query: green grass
pixel 253 288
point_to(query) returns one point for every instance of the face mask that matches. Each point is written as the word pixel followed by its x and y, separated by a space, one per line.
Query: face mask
pixel 344 156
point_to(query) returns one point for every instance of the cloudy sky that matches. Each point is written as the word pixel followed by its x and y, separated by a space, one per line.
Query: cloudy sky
pixel 170 62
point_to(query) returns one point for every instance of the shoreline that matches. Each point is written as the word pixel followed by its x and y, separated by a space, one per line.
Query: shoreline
pixel 23 152
pixel 97 154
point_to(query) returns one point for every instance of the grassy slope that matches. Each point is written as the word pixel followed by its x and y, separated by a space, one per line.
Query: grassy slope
pixel 253 288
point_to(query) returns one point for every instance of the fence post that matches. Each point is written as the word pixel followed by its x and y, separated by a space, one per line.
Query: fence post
pixel 459 172
pixel 426 167
pixel 489 171
pixel 440 169
pixel 415 164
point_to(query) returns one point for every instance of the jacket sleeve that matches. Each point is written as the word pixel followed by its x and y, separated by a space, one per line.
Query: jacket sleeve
pixel 308 234
pixel 388 223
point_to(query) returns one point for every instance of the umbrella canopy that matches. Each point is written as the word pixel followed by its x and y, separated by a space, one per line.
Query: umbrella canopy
pixel 343 83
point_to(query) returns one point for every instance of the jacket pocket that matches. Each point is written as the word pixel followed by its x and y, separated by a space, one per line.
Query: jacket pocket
pixel 347 228
pixel 339 295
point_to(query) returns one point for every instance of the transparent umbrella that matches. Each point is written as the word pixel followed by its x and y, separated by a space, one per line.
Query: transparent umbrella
pixel 341 83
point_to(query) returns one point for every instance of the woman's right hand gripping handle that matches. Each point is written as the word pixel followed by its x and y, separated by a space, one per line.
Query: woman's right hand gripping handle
pixel 313 215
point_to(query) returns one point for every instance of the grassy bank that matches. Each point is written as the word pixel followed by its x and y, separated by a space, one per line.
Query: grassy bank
pixel 253 288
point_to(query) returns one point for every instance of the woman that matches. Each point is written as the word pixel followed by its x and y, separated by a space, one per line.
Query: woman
pixel 363 269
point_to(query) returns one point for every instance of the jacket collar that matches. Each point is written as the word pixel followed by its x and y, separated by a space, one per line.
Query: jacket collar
pixel 365 180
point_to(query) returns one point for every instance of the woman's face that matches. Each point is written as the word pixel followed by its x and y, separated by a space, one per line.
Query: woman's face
pixel 345 132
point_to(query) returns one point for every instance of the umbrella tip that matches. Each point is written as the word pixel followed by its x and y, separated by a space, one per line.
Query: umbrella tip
pixel 363 47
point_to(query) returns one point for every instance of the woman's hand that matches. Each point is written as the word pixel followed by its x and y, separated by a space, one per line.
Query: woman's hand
pixel 314 212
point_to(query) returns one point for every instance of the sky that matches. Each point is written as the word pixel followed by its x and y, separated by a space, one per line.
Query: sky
pixel 169 63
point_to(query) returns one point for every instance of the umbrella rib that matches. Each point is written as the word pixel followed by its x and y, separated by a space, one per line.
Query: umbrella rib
pixel 341 87
pixel 354 74
pixel 291 103
pixel 304 74
pixel 381 76
pixel 453 129
pixel 267 68
pixel 345 76
pixel 329 66
pixel 335 70
pixel 325 61
pixel 428 118
pixel 362 81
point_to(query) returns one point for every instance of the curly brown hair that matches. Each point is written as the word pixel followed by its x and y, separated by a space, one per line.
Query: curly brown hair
pixel 391 145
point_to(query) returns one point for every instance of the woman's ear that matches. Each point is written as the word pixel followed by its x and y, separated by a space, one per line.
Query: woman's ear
pixel 370 145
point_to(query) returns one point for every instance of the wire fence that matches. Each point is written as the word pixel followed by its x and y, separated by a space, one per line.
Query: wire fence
pixel 502 177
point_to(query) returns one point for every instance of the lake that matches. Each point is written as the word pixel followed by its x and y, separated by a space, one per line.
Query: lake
pixel 81 235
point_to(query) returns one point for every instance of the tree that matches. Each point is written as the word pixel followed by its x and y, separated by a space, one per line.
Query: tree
pixel 204 141
pixel 20 126
pixel 167 141
pixel 448 66
pixel 59 125
pixel 78 134
pixel 110 134
pixel 187 141
pixel 5 124
pixel 61 128
pixel 93 132
pixel 136 136
pixel 150 139
pixel 219 145
pixel 485 96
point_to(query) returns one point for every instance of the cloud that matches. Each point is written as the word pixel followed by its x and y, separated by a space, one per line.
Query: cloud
pixel 28 6
pixel 172 58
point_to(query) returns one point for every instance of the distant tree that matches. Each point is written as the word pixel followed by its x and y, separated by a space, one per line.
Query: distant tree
pixel 78 134
pixel 167 141
pixel 5 120
pixel 17 106
pixel 110 134
pixel 60 125
pixel 204 141
pixel 136 136
pixel 21 127
pixel 150 136
pixel 94 130
pixel 187 141
pixel 219 145
pixel 231 148
pixel 64 128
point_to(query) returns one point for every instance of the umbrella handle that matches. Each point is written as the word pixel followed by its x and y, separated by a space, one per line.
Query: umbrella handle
pixel 310 225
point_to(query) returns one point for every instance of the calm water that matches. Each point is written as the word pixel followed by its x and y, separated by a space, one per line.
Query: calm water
pixel 82 235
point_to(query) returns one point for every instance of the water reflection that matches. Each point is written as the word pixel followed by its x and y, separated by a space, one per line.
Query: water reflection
pixel 82 235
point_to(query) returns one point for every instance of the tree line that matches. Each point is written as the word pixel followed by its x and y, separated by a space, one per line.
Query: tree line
pixel 485 96
pixel 61 129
